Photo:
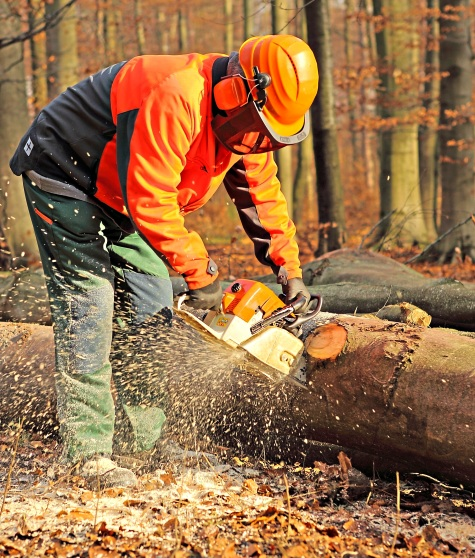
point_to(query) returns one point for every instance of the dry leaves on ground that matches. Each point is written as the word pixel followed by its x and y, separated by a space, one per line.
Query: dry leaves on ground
pixel 237 508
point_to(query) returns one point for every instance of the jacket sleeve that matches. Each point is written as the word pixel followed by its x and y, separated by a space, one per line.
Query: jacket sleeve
pixel 152 143
pixel 254 188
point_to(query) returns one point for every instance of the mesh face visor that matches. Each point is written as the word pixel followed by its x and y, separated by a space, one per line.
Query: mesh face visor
pixel 246 130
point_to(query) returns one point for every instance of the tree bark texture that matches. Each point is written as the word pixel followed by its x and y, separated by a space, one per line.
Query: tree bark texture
pixel 325 145
pixel 14 219
pixel 403 394
pixel 283 157
pixel 456 131
pixel 394 390
pixel 428 145
pixel 398 48
pixel 62 49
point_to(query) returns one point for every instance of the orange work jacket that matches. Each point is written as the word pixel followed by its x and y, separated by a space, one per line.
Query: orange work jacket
pixel 137 136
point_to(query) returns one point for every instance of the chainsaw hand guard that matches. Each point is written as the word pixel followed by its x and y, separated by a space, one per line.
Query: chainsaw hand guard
pixel 292 320
pixel 295 322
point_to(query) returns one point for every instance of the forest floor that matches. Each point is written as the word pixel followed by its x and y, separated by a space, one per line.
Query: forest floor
pixel 226 506
pixel 230 505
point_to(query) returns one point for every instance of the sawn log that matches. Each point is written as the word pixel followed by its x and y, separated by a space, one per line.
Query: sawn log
pixel 401 393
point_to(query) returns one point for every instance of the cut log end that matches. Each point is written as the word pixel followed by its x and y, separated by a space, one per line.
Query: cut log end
pixel 327 342
pixel 405 313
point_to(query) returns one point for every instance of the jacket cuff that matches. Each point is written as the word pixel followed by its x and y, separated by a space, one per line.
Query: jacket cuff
pixel 202 277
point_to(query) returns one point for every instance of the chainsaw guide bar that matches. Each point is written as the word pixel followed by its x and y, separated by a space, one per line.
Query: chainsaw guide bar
pixel 246 361
pixel 264 332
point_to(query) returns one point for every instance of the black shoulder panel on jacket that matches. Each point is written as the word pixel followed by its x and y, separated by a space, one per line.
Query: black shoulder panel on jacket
pixel 67 138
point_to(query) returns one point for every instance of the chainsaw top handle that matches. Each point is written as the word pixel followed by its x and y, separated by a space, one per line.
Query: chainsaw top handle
pixel 314 306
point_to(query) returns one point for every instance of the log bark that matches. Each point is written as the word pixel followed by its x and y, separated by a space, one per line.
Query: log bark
pixel 395 391
pixel 358 281
pixel 350 281
pixel 400 394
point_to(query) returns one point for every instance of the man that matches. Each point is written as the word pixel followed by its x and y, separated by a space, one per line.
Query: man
pixel 110 169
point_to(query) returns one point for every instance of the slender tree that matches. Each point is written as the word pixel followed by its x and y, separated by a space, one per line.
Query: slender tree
pixel 228 26
pixel 247 18
pixel 350 72
pixel 398 45
pixel 329 186
pixel 36 12
pixel 283 157
pixel 61 47
pixel 139 26
pixel 304 195
pixel 428 165
pixel 183 39
pixel 456 133
pixel 367 91
pixel 14 219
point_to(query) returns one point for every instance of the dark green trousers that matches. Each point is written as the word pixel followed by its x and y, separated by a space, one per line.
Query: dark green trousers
pixel 111 300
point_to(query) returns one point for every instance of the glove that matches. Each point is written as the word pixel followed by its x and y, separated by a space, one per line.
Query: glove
pixel 206 298
pixel 295 288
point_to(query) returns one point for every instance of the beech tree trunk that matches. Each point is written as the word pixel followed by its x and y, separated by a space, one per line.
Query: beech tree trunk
pixel 398 48
pixel 15 223
pixel 331 213
pixel 456 134
pixel 403 394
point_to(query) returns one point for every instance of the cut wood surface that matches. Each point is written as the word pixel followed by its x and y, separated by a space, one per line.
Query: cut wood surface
pixel 400 393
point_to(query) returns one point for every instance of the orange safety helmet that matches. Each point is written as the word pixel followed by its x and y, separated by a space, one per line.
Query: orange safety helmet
pixel 293 69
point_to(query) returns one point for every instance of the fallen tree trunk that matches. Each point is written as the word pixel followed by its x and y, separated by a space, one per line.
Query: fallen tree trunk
pixel 393 390
pixel 400 393
pixel 350 281
pixel 359 281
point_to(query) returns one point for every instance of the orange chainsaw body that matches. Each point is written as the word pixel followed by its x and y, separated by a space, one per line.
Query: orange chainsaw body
pixel 245 298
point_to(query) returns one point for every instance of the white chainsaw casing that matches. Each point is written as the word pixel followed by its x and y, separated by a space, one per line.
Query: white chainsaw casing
pixel 273 345
pixel 231 328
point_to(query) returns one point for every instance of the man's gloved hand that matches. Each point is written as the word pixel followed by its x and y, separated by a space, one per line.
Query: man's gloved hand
pixel 295 288
pixel 206 298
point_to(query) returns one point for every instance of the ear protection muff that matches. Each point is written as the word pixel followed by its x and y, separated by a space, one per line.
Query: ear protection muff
pixel 230 93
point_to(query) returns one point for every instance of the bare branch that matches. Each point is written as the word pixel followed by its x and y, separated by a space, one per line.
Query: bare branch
pixel 446 233
pixel 46 23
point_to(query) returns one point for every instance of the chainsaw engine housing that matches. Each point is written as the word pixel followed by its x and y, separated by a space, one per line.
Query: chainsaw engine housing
pixel 245 303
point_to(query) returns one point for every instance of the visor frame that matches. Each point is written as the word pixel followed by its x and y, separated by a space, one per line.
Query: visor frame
pixel 250 119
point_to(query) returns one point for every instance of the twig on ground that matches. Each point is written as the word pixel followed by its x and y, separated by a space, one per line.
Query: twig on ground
pixel 440 483
pixel 98 495
pixel 12 463
pixel 289 509
pixel 441 237
pixel 398 514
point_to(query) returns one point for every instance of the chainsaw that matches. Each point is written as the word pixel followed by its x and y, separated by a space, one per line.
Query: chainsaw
pixel 253 319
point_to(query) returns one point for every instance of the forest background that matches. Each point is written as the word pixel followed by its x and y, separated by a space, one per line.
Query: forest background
pixel 390 165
